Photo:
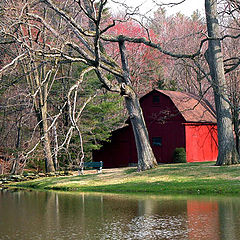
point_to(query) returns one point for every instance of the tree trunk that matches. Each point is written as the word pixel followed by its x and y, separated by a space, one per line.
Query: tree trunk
pixel 235 117
pixel 227 153
pixel 40 105
pixel 146 158
pixel 49 165
pixel 14 167
pixel 236 131
pixel 56 149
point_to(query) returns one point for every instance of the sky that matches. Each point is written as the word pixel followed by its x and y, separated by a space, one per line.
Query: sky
pixel 186 8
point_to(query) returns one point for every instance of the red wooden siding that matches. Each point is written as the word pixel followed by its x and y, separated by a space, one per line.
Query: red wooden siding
pixel 172 134
pixel 163 120
pixel 116 153
pixel 201 142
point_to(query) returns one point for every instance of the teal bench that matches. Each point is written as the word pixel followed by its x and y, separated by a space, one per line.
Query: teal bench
pixel 95 165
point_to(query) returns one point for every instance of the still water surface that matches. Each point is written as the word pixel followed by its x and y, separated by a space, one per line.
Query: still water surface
pixel 34 215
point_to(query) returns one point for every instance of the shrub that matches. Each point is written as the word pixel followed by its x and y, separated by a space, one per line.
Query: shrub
pixel 179 155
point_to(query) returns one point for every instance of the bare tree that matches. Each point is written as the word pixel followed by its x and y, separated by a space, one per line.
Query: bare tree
pixel 88 49
pixel 41 74
pixel 226 146
pixel 82 37
pixel 214 56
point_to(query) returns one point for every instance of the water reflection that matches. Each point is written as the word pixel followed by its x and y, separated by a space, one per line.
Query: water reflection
pixel 203 220
pixel 48 215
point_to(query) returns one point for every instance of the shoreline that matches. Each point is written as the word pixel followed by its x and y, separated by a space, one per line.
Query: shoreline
pixel 184 179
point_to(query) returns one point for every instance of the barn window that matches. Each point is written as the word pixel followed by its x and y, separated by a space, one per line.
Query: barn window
pixel 156 99
pixel 157 141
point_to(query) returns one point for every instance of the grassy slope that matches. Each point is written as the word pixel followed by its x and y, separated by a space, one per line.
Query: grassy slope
pixel 191 178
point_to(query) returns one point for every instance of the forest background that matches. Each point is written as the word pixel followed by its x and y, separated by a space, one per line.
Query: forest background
pixel 53 108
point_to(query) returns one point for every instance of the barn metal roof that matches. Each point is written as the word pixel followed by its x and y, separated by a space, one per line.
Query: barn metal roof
pixel 191 107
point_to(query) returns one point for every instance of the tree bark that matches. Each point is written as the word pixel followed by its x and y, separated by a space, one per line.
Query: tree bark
pixel 14 167
pixel 56 147
pixel 40 106
pixel 235 117
pixel 227 153
pixel 49 165
pixel 146 158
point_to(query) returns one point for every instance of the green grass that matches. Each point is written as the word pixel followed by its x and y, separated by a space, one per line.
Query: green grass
pixel 186 178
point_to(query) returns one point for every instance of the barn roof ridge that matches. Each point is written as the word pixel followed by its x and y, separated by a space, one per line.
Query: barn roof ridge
pixel 192 107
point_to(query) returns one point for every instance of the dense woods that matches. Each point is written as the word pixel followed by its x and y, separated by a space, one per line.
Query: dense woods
pixel 71 72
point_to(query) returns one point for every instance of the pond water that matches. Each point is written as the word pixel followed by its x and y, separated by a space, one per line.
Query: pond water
pixel 26 215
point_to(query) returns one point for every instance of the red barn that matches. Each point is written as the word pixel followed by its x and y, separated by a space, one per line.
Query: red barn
pixel 173 120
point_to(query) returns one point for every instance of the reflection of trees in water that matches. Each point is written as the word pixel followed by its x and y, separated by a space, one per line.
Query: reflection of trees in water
pixel 165 207
pixel 150 219
pixel 229 217
pixel 48 215
pixel 114 217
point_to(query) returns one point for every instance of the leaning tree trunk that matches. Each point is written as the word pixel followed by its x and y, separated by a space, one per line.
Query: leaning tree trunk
pixel 146 158
pixel 227 153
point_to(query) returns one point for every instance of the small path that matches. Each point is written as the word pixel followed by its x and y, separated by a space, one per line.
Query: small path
pixel 106 172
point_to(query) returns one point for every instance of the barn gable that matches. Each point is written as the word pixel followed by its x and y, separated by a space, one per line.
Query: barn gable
pixel 188 105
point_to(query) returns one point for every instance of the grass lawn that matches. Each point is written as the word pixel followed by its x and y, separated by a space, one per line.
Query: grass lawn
pixel 188 178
